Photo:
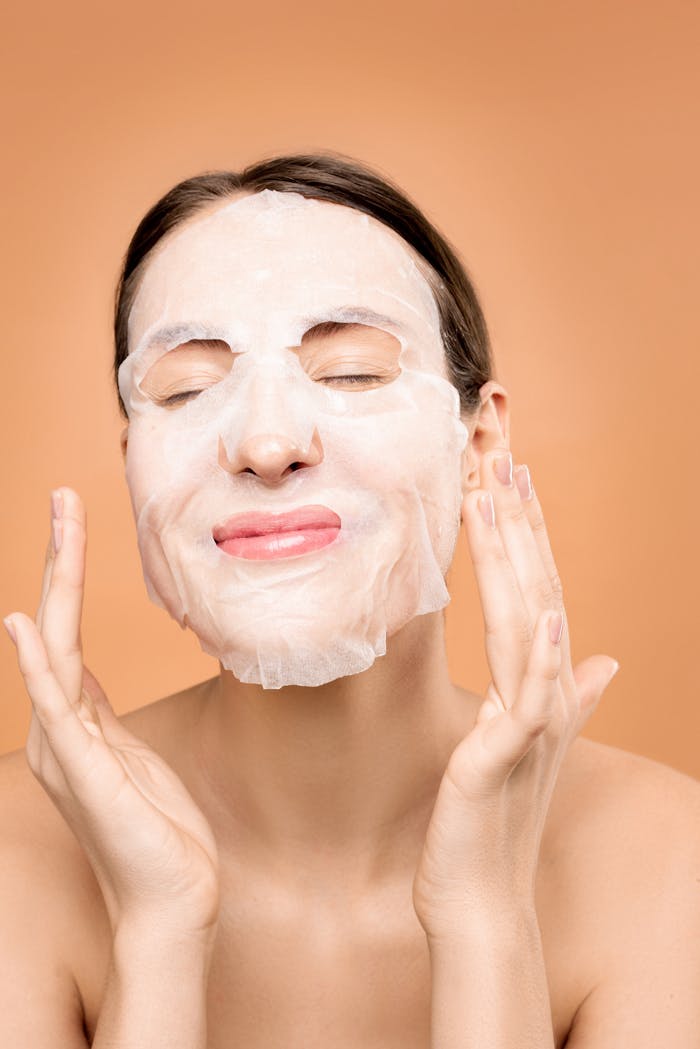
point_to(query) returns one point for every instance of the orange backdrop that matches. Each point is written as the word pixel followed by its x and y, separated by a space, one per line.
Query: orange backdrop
pixel 554 144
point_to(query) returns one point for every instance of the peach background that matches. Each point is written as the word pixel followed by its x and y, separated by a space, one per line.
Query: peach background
pixel 554 144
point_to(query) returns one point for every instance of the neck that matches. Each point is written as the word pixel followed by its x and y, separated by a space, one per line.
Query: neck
pixel 342 776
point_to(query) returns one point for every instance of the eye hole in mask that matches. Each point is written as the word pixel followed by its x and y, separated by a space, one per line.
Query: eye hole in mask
pixel 347 354
pixel 344 355
pixel 186 370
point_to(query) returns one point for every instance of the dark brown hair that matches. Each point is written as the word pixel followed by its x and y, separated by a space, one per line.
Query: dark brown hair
pixel 334 177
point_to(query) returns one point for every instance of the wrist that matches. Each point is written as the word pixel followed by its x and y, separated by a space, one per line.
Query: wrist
pixel 504 921
pixel 161 936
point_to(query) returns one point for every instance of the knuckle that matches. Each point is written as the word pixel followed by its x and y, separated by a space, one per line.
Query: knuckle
pixel 549 672
pixel 518 631
pixel 523 633
pixel 489 551
pixel 516 513
pixel 557 588
pixel 544 593
pixel 537 524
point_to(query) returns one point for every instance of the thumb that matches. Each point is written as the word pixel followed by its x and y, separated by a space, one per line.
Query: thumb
pixel 592 676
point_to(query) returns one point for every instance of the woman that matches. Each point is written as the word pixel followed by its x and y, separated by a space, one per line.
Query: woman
pixel 329 843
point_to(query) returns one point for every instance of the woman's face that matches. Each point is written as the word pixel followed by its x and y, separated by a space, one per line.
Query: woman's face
pixel 285 353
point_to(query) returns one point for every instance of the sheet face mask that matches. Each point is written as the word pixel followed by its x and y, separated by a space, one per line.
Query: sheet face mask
pixel 241 401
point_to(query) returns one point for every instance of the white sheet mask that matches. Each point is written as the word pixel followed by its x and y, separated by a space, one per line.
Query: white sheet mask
pixel 258 273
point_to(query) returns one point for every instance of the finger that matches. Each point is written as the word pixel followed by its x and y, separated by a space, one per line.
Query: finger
pixel 58 718
pixel 592 676
pixel 74 761
pixel 509 736
pixel 64 598
pixel 42 760
pixel 508 631
pixel 518 538
pixel 535 516
pixel 48 563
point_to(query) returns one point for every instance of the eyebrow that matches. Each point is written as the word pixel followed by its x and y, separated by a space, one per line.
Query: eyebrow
pixel 183 333
pixel 359 314
pixel 196 330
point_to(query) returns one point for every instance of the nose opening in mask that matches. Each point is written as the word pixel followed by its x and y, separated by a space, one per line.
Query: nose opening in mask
pixel 271 421
pixel 270 456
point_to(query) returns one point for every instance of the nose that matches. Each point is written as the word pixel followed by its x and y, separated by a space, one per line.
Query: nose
pixel 271 457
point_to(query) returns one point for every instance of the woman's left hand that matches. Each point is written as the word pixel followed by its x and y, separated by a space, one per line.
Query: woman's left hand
pixel 482 846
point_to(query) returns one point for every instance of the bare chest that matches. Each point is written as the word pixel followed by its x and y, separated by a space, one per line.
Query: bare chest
pixel 309 981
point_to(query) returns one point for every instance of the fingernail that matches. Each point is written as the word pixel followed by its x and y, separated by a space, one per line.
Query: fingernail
pixel 503 469
pixel 10 628
pixel 57 504
pixel 522 479
pixel 556 626
pixel 486 509
pixel 615 670
pixel 57 530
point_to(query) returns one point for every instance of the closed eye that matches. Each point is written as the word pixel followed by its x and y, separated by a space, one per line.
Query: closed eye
pixel 360 380
pixel 331 346
pixel 355 379
pixel 176 398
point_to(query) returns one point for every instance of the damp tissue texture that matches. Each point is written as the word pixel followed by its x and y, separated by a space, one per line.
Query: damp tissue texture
pixel 285 353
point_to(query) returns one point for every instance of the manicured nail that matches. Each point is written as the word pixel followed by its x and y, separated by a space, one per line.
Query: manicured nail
pixel 522 479
pixel 503 469
pixel 486 509
pixel 556 626
pixel 57 504
pixel 10 628
pixel 57 529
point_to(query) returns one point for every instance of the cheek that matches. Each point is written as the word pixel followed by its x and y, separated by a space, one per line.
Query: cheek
pixel 412 461
pixel 423 451
pixel 439 445
pixel 142 459
pixel 155 467
pixel 167 460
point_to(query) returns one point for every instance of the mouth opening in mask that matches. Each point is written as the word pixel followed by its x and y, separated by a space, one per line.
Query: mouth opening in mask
pixel 261 536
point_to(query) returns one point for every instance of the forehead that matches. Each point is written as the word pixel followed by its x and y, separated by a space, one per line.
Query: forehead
pixel 270 258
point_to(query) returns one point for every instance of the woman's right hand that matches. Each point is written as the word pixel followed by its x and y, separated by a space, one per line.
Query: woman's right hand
pixel 152 850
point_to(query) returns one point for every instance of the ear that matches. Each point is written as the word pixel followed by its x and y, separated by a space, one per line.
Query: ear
pixel 489 427
pixel 123 439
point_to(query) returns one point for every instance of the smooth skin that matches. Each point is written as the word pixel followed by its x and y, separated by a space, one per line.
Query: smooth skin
pixel 507 806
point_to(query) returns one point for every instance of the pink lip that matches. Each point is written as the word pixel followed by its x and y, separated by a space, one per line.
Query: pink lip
pixel 260 536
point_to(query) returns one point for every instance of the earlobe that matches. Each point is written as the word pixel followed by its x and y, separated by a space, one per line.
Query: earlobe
pixel 123 439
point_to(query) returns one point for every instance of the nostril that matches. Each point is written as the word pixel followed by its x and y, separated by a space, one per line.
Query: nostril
pixel 294 466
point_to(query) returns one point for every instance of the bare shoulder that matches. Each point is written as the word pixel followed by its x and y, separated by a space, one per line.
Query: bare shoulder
pixel 631 823
pixel 621 876
pixel 46 891
pixel 43 856
pixel 56 935
pixel 631 798
pixel 30 825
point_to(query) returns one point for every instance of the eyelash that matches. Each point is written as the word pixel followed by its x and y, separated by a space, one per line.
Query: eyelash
pixel 177 398
pixel 353 378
